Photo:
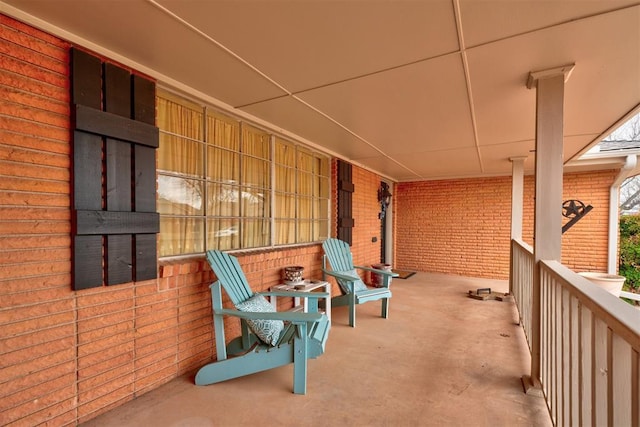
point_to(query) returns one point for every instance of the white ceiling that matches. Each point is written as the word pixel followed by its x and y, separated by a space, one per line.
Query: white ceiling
pixel 410 89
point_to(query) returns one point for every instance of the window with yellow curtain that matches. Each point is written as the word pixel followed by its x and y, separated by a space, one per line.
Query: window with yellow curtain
pixel 181 191
pixel 321 195
pixel 225 184
pixel 302 194
pixel 285 192
pixel 255 191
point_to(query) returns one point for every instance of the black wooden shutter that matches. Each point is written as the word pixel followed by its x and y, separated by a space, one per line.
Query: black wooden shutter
pixel 114 178
pixel 345 210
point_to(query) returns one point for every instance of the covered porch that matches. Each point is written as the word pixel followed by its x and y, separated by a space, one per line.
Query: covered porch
pixel 114 352
pixel 440 359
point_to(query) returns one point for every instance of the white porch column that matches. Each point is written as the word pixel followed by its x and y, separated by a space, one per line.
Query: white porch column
pixel 517 195
pixel 614 213
pixel 548 193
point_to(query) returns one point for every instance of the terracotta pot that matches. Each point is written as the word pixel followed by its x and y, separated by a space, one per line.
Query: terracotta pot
pixel 376 279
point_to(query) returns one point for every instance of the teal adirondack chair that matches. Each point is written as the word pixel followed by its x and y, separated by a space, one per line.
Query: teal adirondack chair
pixel 354 291
pixel 269 339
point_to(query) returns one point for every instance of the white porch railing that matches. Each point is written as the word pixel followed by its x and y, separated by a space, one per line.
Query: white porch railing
pixel 589 349
pixel 635 297
pixel 590 346
pixel 521 283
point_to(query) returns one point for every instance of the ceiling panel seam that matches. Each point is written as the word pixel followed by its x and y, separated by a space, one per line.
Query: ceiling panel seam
pixel 467 79
pixel 272 81
pixel 331 119
pixel 220 45
pixel 350 79
pixel 550 26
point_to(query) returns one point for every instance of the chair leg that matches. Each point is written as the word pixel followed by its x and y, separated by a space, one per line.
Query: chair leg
pixel 352 309
pixel 352 315
pixel 250 363
pixel 385 308
pixel 300 357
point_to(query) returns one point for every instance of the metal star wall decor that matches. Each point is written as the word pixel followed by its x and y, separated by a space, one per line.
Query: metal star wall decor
pixel 575 210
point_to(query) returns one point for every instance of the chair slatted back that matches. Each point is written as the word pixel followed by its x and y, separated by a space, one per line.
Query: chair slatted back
pixel 228 271
pixel 339 254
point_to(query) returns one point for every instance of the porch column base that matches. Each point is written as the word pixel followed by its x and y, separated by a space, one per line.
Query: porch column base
pixel 531 386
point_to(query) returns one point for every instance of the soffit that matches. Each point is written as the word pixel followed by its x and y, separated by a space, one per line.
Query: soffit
pixel 303 45
pixel 412 90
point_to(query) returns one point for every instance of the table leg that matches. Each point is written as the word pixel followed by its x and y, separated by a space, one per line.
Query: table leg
pixel 327 304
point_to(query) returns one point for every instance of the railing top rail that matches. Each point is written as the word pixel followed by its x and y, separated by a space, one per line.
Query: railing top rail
pixel 524 245
pixel 623 319
pixel 630 295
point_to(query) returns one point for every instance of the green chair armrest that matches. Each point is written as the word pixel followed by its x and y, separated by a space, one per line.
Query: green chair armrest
pixel 294 294
pixel 383 272
pixel 289 316
pixel 349 280
pixel 339 276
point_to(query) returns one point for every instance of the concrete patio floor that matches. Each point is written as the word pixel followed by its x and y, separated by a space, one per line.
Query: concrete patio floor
pixel 440 358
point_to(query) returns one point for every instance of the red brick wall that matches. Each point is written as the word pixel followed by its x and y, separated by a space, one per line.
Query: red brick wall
pixel 463 226
pixel 69 356
pixel 585 245
pixel 458 227
pixel 37 310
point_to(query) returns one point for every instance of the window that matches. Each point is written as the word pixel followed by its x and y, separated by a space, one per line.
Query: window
pixel 301 193
pixel 224 184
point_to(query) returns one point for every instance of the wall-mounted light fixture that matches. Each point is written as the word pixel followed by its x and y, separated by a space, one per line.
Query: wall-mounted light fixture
pixel 384 198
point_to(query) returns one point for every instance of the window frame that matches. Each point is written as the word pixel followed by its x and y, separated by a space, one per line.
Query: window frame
pixel 318 219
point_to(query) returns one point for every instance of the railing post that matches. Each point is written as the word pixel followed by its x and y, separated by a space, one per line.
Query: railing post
pixel 549 86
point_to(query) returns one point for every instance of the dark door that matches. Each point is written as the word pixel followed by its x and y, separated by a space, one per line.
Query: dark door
pixel 384 204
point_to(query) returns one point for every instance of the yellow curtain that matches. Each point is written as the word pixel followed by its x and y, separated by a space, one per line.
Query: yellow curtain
pixel 305 192
pixel 223 234
pixel 322 171
pixel 223 188
pixel 285 203
pixel 181 148
pixel 180 173
pixel 214 177
pixel 256 180
pixel 255 142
